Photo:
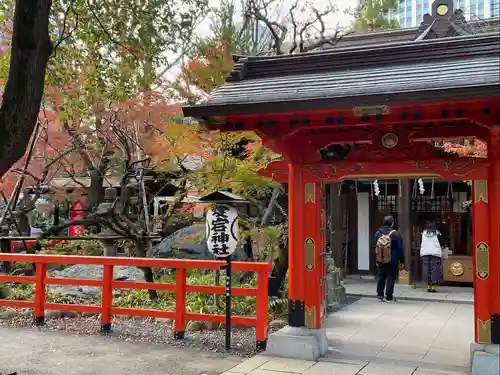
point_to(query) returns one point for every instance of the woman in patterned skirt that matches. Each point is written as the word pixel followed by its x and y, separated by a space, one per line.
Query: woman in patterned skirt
pixel 431 252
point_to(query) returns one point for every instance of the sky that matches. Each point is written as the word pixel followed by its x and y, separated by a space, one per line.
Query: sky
pixel 340 17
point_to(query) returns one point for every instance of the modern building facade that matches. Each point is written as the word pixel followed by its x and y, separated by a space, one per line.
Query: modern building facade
pixel 411 12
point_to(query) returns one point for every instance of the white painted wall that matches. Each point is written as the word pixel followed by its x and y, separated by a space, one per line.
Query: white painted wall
pixel 364 231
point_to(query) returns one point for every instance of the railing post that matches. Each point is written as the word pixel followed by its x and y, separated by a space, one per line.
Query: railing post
pixel 262 302
pixel 180 303
pixel 39 311
pixel 107 298
pixel 5 248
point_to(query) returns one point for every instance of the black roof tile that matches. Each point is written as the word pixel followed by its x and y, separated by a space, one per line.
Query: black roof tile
pixel 383 71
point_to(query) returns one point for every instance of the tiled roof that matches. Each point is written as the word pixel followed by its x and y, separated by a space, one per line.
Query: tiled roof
pixel 377 80
pixel 441 65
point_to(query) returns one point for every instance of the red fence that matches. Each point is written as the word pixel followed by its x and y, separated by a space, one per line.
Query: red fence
pixel 107 310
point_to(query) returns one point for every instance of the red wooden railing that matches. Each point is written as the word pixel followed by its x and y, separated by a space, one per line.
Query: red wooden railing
pixel 107 310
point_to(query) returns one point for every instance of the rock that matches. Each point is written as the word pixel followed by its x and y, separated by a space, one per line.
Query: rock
pixel 194 326
pixel 94 272
pixel 234 326
pixel 27 312
pixel 89 314
pixel 53 314
pixel 69 314
pixel 8 314
pixel 211 326
pixel 165 320
pixel 189 243
pixel 277 324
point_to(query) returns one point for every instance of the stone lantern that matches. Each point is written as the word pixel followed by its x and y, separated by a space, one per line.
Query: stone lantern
pixel 110 195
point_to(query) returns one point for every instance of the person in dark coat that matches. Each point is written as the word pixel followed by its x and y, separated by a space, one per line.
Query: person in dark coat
pixel 388 264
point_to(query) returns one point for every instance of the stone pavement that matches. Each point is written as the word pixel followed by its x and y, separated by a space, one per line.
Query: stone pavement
pixel 452 294
pixel 32 352
pixel 373 338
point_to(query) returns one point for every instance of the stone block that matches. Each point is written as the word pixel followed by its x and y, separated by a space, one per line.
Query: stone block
pixel 297 343
pixel 484 363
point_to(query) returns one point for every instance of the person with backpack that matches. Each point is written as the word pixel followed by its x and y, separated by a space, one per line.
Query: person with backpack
pixel 389 252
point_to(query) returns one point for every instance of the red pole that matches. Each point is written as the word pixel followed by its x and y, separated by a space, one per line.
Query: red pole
pixel 107 298
pixel 180 303
pixel 296 219
pixel 262 297
pixel 39 311
pixel 481 261
pixel 494 222
pixel 312 248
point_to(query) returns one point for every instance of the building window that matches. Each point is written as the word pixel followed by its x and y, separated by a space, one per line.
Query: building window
pixel 480 10
pixel 408 21
pixel 495 8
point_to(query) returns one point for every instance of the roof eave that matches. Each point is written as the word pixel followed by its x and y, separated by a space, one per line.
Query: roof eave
pixel 307 105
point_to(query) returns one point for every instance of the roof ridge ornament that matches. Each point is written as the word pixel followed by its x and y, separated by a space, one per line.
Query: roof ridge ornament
pixel 239 70
pixel 445 21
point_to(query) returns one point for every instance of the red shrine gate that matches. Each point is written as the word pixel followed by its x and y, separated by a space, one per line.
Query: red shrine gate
pixel 374 112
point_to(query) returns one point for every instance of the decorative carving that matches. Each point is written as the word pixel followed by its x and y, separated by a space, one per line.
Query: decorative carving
pixel 331 171
pixel 482 260
pixel 310 317
pixel 390 140
pixel 466 169
pixel 310 192
pixel 457 269
pixel 455 168
pixel 309 254
pixel 371 110
pixel 399 150
pixel 480 191
pixel 483 331
pixel 404 277
pixel 445 21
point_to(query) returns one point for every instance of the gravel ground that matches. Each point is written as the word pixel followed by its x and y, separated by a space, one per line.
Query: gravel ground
pixel 150 330
pixel 147 330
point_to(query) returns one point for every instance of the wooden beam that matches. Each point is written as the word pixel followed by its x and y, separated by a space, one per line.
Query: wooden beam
pixel 450 170
pixel 404 223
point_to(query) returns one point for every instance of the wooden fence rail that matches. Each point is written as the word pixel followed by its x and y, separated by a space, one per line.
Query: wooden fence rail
pixel 107 284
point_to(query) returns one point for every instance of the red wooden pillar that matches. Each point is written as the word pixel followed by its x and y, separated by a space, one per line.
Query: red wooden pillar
pixel 481 260
pixel 314 251
pixel 494 221
pixel 296 219
pixel 306 248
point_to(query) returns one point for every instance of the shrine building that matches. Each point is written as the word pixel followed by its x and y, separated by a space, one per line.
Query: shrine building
pixel 369 120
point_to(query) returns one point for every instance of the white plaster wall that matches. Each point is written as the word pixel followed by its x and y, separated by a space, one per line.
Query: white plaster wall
pixel 364 231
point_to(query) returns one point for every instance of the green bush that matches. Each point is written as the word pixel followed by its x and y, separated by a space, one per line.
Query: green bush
pixel 195 302
pixel 87 247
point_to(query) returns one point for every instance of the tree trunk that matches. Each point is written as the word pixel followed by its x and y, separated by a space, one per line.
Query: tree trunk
pixel 22 97
pixel 281 264
pixel 148 272
pixel 96 188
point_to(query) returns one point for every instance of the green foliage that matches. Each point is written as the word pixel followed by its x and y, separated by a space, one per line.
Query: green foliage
pixel 19 292
pixel 109 51
pixel 88 248
pixel 371 15
pixel 195 302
